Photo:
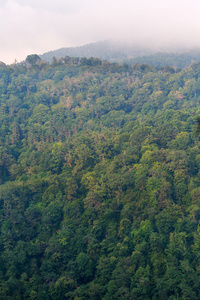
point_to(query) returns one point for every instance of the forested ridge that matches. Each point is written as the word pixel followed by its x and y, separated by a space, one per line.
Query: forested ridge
pixel 111 50
pixel 178 59
pixel 100 181
pixel 116 51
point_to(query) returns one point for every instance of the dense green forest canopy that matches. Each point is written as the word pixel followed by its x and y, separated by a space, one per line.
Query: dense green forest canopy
pixel 99 181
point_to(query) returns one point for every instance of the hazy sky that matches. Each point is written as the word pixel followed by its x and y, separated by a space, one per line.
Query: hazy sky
pixel 37 26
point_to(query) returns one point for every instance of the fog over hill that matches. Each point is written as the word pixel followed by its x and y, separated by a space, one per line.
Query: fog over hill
pixel 33 26
pixel 118 51
pixel 106 50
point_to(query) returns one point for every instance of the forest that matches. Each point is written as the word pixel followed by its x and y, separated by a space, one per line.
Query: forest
pixel 99 181
pixel 178 59
pixel 116 51
pixel 110 50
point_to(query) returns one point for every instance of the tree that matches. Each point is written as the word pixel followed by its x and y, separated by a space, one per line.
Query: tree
pixel 33 59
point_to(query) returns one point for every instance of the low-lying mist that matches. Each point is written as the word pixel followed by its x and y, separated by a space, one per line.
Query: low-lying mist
pixel 39 26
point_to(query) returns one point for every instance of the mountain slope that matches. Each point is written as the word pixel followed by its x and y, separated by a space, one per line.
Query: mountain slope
pixel 123 52
pixel 105 50
pixel 99 192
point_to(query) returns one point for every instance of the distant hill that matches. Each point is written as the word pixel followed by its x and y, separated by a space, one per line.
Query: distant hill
pixel 105 50
pixel 121 52
pixel 178 60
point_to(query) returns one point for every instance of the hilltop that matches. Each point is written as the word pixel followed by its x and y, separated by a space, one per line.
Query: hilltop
pixel 105 50
pixel 115 51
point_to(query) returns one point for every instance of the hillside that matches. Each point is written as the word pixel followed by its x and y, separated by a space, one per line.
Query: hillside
pixel 119 52
pixel 178 59
pixel 105 50
pixel 100 181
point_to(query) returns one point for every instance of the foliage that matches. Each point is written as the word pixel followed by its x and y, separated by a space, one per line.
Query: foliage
pixel 99 181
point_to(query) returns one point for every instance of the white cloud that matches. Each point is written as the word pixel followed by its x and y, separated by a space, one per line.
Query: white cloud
pixel 36 26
